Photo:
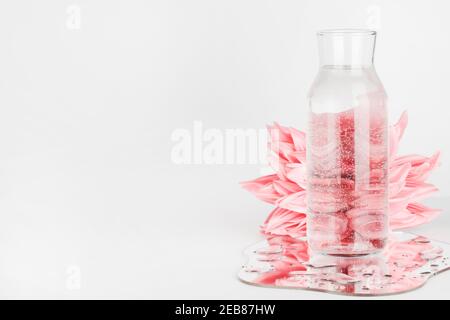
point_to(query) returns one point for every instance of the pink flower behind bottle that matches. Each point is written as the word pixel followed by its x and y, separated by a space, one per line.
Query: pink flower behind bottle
pixel 286 189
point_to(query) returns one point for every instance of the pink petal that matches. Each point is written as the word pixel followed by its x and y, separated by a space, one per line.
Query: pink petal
pixel 263 188
pixel 415 193
pixel 295 202
pixel 421 171
pixel 326 222
pixel 285 222
pixel 300 156
pixel 299 139
pixel 396 133
pixel 397 178
pixel 370 226
pixel 415 214
pixel 297 174
pixel 285 187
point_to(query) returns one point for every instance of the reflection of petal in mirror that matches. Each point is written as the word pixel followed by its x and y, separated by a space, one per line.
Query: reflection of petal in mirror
pixel 406 264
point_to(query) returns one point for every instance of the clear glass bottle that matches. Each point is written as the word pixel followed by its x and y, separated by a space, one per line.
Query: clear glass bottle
pixel 347 151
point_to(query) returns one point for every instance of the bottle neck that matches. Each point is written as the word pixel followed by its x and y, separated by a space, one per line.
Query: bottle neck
pixel 348 49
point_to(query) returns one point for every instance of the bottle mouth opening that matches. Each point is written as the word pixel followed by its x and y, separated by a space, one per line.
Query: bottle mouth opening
pixel 346 32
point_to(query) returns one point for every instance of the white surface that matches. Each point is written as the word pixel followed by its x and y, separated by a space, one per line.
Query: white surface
pixel 91 203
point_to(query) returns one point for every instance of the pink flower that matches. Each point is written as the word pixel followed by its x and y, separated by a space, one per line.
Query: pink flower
pixel 286 189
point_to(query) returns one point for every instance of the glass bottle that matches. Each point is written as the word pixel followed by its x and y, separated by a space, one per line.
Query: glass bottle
pixel 347 151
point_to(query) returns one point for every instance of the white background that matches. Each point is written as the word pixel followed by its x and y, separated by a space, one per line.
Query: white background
pixel 91 203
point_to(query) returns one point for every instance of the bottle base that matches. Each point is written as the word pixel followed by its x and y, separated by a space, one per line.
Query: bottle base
pixel 349 252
